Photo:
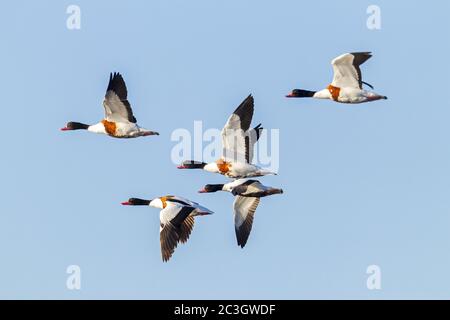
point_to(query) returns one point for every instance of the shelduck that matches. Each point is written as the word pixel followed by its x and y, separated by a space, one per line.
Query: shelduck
pixel 119 121
pixel 176 220
pixel 237 141
pixel 347 85
pixel 247 197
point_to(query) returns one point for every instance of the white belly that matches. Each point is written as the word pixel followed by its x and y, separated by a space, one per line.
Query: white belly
pixel 243 170
pixel 127 130
pixel 352 95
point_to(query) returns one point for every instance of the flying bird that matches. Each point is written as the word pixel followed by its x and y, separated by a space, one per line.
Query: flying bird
pixel 237 142
pixel 347 85
pixel 119 121
pixel 176 220
pixel 247 197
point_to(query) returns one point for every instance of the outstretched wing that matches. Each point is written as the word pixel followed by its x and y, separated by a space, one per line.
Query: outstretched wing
pixel 244 211
pixel 235 131
pixel 346 68
pixel 169 238
pixel 171 231
pixel 251 138
pixel 186 229
pixel 117 107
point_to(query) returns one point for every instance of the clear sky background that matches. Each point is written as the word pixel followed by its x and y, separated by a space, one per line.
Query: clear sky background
pixel 364 185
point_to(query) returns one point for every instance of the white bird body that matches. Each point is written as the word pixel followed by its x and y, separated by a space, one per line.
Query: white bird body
pixel 176 220
pixel 97 128
pixel 348 95
pixel 228 187
pixel 237 141
pixel 123 130
pixel 247 194
pixel 347 83
pixel 119 121
pixel 236 170
pixel 175 201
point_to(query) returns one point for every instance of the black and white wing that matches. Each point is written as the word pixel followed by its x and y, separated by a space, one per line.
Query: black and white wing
pixel 236 136
pixel 248 188
pixel 173 228
pixel 346 68
pixel 251 138
pixel 254 188
pixel 186 229
pixel 186 202
pixel 244 211
pixel 117 107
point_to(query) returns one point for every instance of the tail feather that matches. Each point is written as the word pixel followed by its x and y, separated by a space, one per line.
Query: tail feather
pixel 150 133
pixel 275 191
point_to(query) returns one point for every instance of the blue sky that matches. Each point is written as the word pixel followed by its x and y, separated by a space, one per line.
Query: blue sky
pixel 364 184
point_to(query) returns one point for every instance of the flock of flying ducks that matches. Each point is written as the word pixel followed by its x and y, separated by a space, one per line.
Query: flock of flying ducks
pixel 238 139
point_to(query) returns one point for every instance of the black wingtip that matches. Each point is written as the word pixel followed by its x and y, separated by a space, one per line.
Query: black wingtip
pixel 241 240
pixel 258 129
pixel 250 97
pixel 366 53
pixel 117 84
pixel 241 243
pixel 114 74
pixel 368 84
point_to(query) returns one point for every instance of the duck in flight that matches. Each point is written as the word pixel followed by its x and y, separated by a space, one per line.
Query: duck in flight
pixel 237 141
pixel 347 85
pixel 247 197
pixel 176 220
pixel 119 121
